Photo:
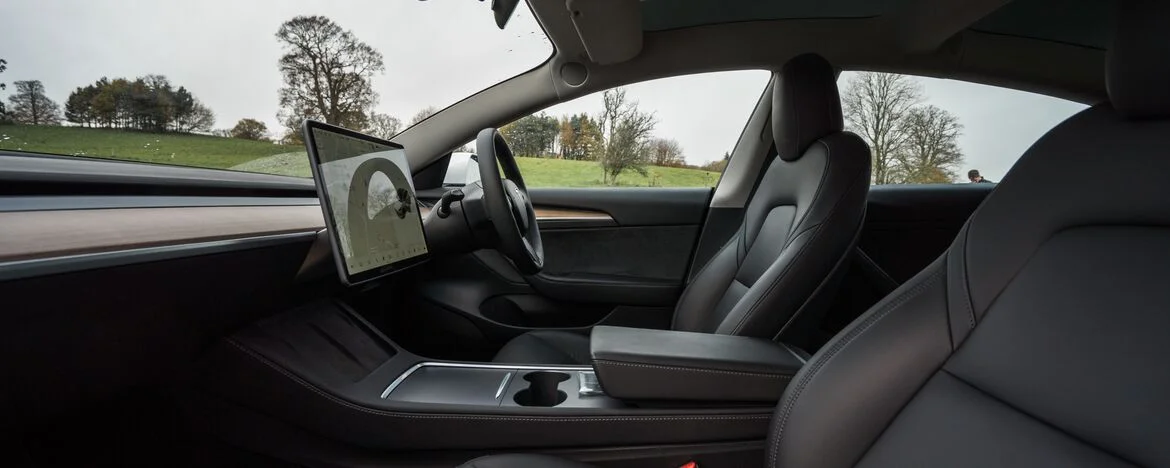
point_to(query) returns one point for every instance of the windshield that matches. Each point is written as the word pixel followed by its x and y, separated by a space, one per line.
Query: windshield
pixel 225 83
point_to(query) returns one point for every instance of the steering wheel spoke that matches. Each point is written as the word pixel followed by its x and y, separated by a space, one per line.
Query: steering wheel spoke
pixel 507 203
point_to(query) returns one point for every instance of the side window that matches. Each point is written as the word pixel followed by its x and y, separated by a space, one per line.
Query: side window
pixel 935 131
pixel 671 132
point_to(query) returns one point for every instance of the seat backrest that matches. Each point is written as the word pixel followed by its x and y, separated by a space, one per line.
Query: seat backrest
pixel 1041 337
pixel 799 224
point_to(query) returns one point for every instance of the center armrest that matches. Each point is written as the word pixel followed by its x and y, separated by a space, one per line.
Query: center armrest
pixel 642 364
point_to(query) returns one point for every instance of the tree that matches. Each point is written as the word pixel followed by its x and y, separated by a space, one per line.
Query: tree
pixel 666 152
pixel 3 111
pixel 200 118
pixel 250 129
pixel 580 138
pixel 930 153
pixel 720 165
pixel 148 103
pixel 327 73
pixel 382 125
pixel 31 106
pixel 79 106
pixel 532 136
pixel 422 115
pixel 876 106
pixel 626 133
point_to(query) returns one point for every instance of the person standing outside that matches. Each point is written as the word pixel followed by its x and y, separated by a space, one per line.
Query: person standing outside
pixel 975 178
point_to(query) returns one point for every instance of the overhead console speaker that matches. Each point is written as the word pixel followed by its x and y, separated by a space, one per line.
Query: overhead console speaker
pixel 610 30
pixel 574 73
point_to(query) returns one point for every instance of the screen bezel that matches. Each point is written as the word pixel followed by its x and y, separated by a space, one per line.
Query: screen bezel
pixel 327 208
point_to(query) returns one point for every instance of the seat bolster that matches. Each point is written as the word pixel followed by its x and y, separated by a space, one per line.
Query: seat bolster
pixel 546 347
pixel 858 382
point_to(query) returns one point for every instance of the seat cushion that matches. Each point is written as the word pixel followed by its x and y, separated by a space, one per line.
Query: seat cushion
pixel 546 347
pixel 522 461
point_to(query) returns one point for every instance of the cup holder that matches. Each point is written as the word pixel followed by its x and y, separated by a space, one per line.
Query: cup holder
pixel 542 389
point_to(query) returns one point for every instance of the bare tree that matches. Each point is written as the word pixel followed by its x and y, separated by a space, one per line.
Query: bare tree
pixel 930 153
pixel 422 115
pixel 876 106
pixel 327 73
pixel 666 152
pixel 31 106
pixel 383 125
pixel 625 132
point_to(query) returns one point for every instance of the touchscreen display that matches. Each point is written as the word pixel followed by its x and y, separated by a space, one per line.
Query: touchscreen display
pixel 368 199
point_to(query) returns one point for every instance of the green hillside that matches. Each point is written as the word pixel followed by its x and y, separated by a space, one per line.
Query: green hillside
pixel 168 148
pixel 540 172
pixel 257 156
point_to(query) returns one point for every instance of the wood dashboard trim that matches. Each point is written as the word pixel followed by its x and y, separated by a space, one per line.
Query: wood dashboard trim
pixel 29 235
pixel 546 213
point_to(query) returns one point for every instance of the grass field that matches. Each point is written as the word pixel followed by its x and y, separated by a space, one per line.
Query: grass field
pixel 256 156
pixel 539 172
pixel 167 148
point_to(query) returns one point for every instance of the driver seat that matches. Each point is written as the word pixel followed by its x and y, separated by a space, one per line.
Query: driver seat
pixel 1040 337
pixel 798 227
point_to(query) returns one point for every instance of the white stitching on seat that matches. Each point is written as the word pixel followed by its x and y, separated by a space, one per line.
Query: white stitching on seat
pixel 555 419
pixel 765 375
pixel 789 403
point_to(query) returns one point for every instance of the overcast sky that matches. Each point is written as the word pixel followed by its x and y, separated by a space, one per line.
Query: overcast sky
pixel 436 53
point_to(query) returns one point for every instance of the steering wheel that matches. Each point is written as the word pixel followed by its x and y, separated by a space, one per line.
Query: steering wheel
pixel 507 204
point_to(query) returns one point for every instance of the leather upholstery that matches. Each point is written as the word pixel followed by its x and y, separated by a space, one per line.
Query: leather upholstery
pixel 546 347
pixel 1137 69
pixel 1040 337
pixel 802 220
pixel 637 364
pixel 805 105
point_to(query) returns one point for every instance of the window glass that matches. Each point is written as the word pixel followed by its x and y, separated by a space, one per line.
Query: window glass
pixel 671 132
pixel 225 83
pixel 928 131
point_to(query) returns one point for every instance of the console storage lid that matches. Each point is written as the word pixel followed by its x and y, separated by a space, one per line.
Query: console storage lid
pixel 641 364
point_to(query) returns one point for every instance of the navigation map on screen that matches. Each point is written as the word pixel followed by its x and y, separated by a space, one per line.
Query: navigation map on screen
pixel 375 216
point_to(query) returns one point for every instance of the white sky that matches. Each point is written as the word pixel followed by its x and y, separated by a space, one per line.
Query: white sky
pixel 436 53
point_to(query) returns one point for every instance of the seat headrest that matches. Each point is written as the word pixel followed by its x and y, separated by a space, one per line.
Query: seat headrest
pixel 1138 64
pixel 805 105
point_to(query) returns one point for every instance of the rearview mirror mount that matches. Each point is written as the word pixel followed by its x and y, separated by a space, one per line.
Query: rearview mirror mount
pixel 503 11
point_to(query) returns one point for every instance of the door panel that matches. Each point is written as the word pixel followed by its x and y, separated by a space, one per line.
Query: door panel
pixel 640 261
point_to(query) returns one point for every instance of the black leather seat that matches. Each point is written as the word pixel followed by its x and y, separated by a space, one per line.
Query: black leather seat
pixel 800 223
pixel 1041 337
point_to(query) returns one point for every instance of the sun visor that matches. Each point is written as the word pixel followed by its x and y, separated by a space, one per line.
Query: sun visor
pixel 610 30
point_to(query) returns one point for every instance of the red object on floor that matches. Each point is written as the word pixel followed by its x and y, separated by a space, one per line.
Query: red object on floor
pixel 690 464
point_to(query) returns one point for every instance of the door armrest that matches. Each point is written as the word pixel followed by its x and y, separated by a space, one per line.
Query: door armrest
pixel 641 364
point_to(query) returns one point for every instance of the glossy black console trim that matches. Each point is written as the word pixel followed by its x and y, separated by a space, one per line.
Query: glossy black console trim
pixel 476 365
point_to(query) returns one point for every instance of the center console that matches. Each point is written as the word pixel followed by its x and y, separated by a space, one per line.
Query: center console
pixel 323 369
pixel 499 385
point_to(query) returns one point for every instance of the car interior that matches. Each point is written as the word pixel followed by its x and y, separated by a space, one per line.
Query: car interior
pixel 792 316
